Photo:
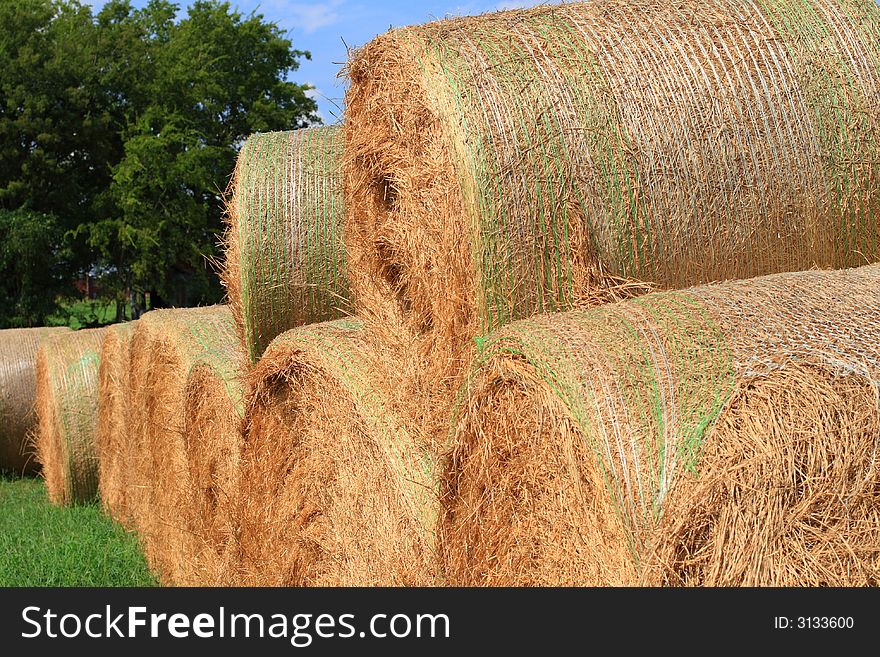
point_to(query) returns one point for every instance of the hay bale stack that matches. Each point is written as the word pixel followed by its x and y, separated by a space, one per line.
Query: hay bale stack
pixel 112 445
pixel 722 435
pixel 334 489
pixel 214 403
pixel 166 348
pixel 526 161
pixel 67 414
pixel 285 261
pixel 18 391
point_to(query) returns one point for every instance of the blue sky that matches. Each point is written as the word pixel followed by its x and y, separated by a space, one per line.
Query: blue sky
pixel 324 27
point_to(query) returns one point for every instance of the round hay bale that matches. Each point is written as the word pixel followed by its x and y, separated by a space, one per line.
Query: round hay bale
pixel 67 414
pixel 18 391
pixel 285 260
pixel 334 490
pixel 213 417
pixel 528 161
pixel 112 437
pixel 723 435
pixel 166 348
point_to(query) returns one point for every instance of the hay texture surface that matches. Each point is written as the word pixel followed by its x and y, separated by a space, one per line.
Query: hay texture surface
pixel 722 435
pixel 214 404
pixel 183 470
pixel 285 260
pixel 112 444
pixel 67 414
pixel 18 392
pixel 528 161
pixel 335 490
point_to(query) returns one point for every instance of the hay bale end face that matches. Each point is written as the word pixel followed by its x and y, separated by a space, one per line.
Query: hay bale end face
pixel 18 391
pixel 285 260
pixel 67 414
pixel 167 346
pixel 523 162
pixel 334 490
pixel 214 403
pixel 112 437
pixel 722 435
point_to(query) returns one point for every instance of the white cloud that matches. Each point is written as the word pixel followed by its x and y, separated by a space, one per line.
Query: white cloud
pixel 514 4
pixel 312 16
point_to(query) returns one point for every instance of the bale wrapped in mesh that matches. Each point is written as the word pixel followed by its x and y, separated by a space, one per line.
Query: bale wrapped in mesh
pixel 285 259
pixel 182 469
pixel 112 445
pixel 721 435
pixel 526 161
pixel 335 490
pixel 67 414
pixel 18 391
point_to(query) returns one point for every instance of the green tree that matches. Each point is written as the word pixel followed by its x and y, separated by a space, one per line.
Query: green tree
pixel 214 77
pixel 29 267
pixel 125 126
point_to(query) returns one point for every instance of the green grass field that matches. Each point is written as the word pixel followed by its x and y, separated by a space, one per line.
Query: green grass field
pixel 45 545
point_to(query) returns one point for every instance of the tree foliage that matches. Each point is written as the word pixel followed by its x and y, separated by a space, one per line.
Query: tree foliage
pixel 122 127
pixel 31 267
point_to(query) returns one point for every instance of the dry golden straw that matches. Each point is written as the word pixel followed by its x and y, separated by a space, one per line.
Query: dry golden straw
pixel 67 414
pixel 112 441
pixel 285 261
pixel 529 161
pixel 173 469
pixel 722 435
pixel 18 391
pixel 214 404
pixel 334 490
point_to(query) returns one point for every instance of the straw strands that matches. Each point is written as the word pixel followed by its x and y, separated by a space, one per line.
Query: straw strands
pixel 67 414
pixel 114 414
pixel 723 435
pixel 285 261
pixel 167 347
pixel 213 416
pixel 334 488
pixel 788 491
pixel 523 162
pixel 18 387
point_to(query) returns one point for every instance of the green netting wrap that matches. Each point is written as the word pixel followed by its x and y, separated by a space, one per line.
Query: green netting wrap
pixel 835 48
pixel 670 374
pixel 177 461
pixel 335 490
pixel 518 162
pixel 625 396
pixel 18 391
pixel 285 260
pixel 67 414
